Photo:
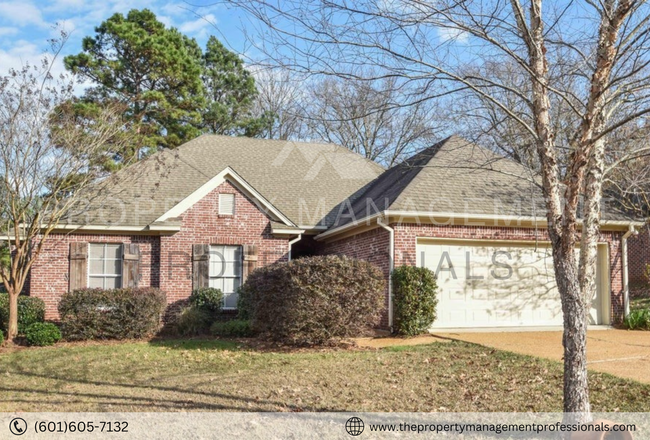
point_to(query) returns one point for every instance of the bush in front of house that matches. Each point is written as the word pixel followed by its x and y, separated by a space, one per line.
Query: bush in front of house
pixel 30 311
pixel 192 321
pixel 2 338
pixel 638 320
pixel 111 314
pixel 414 299
pixel 207 299
pixel 310 301
pixel 42 334
pixel 234 328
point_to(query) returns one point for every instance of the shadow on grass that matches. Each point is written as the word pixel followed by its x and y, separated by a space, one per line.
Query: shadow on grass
pixel 195 344
pixel 187 398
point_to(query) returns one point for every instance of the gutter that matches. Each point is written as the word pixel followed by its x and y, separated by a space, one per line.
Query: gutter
pixel 512 220
pixel 292 242
pixel 391 266
pixel 626 284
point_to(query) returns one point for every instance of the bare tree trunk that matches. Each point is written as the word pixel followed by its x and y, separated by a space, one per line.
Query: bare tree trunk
pixel 12 330
pixel 574 341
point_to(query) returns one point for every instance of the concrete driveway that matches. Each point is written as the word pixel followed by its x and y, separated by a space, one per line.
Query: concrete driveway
pixel 623 353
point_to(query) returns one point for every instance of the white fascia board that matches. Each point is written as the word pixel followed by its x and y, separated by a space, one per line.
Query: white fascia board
pixel 288 231
pixel 451 215
pixel 335 231
pixel 508 218
pixel 234 178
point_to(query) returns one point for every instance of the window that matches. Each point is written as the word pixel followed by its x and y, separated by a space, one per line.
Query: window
pixel 104 265
pixel 225 272
pixel 226 204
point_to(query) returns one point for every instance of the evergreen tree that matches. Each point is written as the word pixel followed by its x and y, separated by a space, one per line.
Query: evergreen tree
pixel 230 94
pixel 154 71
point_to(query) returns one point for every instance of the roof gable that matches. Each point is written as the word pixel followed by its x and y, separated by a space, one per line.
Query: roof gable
pixel 228 174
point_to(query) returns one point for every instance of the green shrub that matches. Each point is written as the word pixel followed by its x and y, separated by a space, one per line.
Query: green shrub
pixel 207 299
pixel 638 320
pixel 42 334
pixel 234 328
pixel 30 311
pixel 312 300
pixel 111 314
pixel 192 321
pixel 414 299
pixel 2 338
pixel 243 304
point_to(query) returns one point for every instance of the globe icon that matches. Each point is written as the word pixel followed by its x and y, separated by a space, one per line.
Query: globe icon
pixel 354 426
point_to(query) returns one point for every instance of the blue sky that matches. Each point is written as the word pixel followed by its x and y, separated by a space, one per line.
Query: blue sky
pixel 26 25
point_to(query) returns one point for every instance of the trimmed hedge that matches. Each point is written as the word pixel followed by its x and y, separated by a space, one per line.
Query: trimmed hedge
pixel 310 301
pixel 208 299
pixel 192 321
pixel 111 314
pixel 30 311
pixel 414 299
pixel 42 334
pixel 238 328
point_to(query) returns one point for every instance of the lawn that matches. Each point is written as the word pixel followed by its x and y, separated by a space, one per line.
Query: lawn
pixel 214 375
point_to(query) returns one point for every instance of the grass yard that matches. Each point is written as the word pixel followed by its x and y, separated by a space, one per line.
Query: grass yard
pixel 216 375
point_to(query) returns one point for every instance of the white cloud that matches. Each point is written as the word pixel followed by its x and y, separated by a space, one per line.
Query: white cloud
pixel 450 34
pixel 8 31
pixel 21 14
pixel 200 24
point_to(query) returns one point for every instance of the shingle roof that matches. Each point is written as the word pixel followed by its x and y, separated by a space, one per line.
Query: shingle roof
pixel 456 176
pixel 304 181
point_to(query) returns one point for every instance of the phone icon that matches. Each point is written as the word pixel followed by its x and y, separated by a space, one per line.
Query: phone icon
pixel 18 426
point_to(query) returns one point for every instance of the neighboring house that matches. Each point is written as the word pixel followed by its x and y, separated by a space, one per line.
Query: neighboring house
pixel 210 211
pixel 639 265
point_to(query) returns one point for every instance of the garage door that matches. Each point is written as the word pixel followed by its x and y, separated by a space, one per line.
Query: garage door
pixel 500 284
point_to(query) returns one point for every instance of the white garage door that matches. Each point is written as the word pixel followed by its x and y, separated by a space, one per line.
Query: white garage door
pixel 498 284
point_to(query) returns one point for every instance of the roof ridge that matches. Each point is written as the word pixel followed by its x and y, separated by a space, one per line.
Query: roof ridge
pixel 296 142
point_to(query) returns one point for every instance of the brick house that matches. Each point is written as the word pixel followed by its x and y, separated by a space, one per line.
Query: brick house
pixel 210 211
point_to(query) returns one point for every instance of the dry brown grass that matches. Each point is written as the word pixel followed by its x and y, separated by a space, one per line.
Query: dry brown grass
pixel 222 376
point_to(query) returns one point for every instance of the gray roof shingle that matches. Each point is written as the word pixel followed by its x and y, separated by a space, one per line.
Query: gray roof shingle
pixel 459 177
pixel 304 181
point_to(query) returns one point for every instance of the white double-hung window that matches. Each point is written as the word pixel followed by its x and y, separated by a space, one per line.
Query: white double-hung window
pixel 104 265
pixel 226 271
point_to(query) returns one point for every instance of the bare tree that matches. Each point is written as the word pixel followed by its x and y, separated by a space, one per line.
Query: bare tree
pixel 45 158
pixel 444 48
pixel 281 96
pixel 368 118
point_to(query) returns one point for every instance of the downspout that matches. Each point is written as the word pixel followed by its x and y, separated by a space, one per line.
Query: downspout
pixel 291 243
pixel 626 285
pixel 391 263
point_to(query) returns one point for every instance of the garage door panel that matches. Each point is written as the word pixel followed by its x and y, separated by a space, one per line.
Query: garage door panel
pixel 495 285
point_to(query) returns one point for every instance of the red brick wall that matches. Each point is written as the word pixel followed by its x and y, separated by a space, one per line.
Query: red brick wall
pixel 373 246
pixel 166 260
pixel 49 274
pixel 638 254
pixel 202 225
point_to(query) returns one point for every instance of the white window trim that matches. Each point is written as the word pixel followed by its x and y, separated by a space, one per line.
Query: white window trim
pixel 240 271
pixel 121 259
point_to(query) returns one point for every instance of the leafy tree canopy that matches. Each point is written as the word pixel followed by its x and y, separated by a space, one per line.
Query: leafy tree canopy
pixel 171 91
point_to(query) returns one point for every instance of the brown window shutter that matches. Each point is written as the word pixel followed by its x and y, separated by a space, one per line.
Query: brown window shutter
pixel 250 261
pixel 130 265
pixel 200 266
pixel 78 275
